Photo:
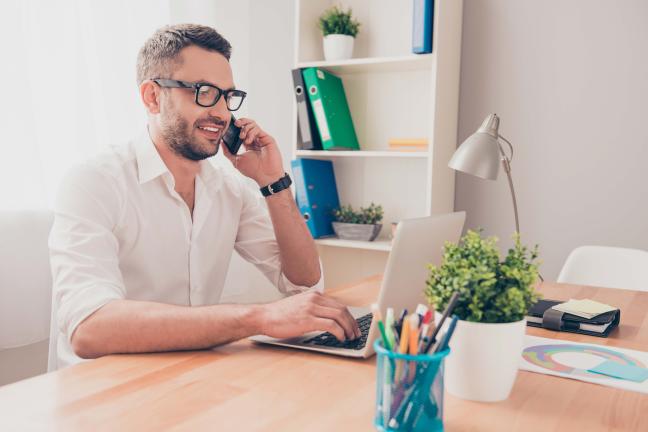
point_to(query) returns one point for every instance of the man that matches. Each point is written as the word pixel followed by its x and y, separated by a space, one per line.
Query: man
pixel 143 235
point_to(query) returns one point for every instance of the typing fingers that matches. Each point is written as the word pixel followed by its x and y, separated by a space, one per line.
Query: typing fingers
pixel 343 319
pixel 329 325
pixel 331 303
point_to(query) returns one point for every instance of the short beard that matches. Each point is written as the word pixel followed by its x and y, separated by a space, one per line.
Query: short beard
pixel 175 131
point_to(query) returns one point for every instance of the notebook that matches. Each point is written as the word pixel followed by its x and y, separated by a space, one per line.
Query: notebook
pixel 542 315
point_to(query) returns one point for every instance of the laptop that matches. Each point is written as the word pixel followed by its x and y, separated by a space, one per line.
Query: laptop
pixel 417 242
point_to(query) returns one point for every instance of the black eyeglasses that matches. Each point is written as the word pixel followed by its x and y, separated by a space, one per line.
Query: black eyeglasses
pixel 207 95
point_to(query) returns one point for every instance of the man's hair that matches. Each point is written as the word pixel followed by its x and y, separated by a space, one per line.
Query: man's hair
pixel 160 53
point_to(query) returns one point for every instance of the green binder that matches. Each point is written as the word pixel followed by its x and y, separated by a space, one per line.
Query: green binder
pixel 331 110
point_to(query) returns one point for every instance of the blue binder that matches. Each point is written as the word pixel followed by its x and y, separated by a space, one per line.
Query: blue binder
pixel 422 26
pixel 316 194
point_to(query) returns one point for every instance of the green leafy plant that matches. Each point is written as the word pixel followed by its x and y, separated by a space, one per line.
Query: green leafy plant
pixel 366 215
pixel 490 290
pixel 336 21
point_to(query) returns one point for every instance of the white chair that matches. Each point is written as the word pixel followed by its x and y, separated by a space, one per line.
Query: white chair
pixel 25 294
pixel 609 267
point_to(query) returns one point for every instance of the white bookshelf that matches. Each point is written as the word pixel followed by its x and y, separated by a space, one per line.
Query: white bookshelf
pixel 316 154
pixel 377 245
pixel 392 93
pixel 410 62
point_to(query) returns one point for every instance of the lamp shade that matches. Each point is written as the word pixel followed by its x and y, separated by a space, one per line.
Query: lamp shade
pixel 479 154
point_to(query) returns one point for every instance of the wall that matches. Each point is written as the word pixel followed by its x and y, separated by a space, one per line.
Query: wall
pixel 261 34
pixel 569 81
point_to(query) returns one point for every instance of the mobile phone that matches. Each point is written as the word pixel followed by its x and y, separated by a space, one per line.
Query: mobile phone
pixel 231 137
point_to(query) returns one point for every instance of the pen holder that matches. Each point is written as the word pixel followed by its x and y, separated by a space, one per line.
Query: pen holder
pixel 409 391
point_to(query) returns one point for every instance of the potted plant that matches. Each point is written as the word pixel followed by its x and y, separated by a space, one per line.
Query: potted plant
pixel 494 297
pixel 339 30
pixel 358 225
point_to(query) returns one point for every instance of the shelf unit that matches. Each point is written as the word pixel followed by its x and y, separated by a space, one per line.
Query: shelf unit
pixel 392 93
pixel 317 154
pixel 377 245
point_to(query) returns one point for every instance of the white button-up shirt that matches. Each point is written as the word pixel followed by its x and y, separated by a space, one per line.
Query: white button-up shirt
pixel 121 231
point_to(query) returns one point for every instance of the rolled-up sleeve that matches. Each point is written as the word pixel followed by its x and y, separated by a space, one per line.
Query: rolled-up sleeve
pixel 83 247
pixel 256 243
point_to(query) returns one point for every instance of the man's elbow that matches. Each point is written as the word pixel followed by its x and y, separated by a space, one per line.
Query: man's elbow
pixel 309 280
pixel 83 344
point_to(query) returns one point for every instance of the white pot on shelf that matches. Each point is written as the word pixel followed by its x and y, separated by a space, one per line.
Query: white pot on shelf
pixel 338 47
pixel 483 361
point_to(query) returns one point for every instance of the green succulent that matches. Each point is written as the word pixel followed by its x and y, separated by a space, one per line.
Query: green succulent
pixel 336 21
pixel 366 215
pixel 490 290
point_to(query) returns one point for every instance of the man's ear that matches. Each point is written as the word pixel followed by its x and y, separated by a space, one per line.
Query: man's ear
pixel 150 94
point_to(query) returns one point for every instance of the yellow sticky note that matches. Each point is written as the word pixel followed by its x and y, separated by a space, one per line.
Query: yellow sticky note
pixel 584 307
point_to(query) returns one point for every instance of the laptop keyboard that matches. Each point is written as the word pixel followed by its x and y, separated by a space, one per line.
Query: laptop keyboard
pixel 328 340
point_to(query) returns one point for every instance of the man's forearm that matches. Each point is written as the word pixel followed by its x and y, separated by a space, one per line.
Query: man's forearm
pixel 129 326
pixel 299 257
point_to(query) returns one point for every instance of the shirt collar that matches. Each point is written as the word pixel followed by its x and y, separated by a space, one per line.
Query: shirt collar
pixel 150 165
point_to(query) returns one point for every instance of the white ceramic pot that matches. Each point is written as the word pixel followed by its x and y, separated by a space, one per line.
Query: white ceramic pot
pixel 338 47
pixel 483 361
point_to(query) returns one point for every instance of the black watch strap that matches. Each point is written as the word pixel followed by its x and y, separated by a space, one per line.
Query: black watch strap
pixel 281 184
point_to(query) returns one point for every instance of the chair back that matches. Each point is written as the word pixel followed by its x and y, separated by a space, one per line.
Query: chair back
pixel 25 292
pixel 604 266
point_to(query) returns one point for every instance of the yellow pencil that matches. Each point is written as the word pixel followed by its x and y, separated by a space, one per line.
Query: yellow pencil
pixel 404 339
pixel 413 343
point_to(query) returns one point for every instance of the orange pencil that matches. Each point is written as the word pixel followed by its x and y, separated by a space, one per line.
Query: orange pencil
pixel 413 344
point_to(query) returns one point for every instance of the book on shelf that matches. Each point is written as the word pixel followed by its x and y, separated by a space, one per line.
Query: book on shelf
pixel 316 194
pixel 331 110
pixel 422 26
pixel 306 126
pixel 408 144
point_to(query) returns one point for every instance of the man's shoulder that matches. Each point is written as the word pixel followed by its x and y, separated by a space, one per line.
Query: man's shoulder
pixel 112 165
pixel 115 161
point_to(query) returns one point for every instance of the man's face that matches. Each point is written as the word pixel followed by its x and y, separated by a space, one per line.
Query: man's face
pixel 182 121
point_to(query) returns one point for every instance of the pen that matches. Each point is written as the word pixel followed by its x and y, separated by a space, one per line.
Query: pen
pixel 421 310
pixel 395 332
pixel 389 327
pixel 377 315
pixel 446 312
pixel 402 317
pixel 404 339
pixel 399 326
pixel 423 334
pixel 446 337
pixel 413 334
pixel 413 345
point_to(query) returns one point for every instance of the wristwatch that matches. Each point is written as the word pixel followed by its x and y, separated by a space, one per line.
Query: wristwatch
pixel 281 184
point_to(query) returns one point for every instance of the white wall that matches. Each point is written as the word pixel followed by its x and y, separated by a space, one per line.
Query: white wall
pixel 569 80
pixel 261 34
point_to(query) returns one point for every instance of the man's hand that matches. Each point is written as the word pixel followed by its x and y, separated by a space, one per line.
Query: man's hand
pixel 307 312
pixel 262 160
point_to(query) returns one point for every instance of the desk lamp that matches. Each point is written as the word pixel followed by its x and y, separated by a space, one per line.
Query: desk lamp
pixel 480 155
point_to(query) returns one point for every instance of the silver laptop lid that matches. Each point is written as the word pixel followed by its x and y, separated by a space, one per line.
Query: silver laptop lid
pixel 418 242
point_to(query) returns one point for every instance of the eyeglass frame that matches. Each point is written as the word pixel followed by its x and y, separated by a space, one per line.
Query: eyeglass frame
pixel 171 83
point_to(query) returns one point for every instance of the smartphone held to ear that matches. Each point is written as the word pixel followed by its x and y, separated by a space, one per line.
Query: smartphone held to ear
pixel 231 137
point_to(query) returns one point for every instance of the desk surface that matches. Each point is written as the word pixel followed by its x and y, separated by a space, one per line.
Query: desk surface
pixel 244 386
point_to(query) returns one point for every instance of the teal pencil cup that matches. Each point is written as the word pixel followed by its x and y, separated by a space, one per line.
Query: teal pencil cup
pixel 409 390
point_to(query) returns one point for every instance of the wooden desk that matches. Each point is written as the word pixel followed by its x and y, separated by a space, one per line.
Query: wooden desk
pixel 243 386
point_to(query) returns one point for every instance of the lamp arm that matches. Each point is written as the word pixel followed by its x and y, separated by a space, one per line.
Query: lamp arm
pixel 510 158
pixel 506 163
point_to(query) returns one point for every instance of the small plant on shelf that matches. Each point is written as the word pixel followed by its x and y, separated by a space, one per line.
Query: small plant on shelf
pixel 364 224
pixel 366 215
pixel 337 21
pixel 339 29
